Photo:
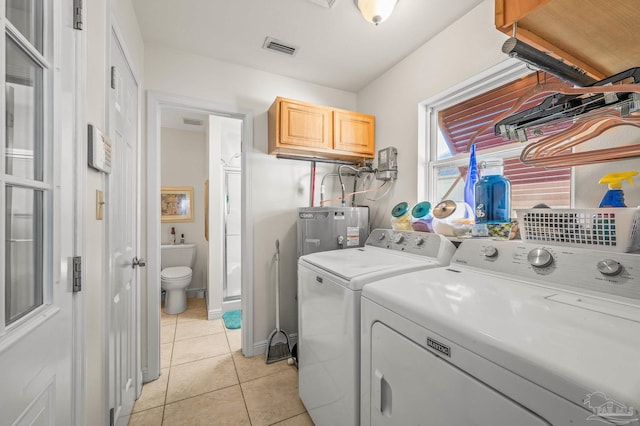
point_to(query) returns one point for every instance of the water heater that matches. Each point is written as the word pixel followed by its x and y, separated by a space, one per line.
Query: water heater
pixel 331 228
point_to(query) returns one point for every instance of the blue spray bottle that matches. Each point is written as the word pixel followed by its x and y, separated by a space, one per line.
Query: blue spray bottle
pixel 614 196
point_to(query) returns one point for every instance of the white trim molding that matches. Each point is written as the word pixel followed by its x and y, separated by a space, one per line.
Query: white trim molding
pixel 156 101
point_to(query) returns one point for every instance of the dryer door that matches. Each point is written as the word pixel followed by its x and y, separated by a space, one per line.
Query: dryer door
pixel 412 386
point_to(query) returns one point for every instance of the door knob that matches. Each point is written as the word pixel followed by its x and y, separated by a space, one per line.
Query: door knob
pixel 142 262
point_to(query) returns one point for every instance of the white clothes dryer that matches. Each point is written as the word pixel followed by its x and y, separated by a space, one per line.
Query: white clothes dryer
pixel 509 334
pixel 329 288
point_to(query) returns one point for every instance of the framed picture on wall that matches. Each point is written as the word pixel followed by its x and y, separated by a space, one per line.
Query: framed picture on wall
pixel 176 204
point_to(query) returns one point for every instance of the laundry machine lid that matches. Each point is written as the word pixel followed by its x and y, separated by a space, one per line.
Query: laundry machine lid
pixel 175 272
pixel 571 344
pixel 358 266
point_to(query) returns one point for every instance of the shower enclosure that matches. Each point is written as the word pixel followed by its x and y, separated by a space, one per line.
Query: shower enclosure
pixel 232 254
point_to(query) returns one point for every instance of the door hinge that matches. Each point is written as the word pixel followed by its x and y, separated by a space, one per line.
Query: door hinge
pixel 77 274
pixel 112 415
pixel 114 77
pixel 77 15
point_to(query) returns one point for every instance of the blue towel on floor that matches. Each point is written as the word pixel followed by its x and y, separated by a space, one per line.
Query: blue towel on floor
pixel 232 319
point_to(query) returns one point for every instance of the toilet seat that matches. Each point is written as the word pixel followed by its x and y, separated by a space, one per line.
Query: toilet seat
pixel 175 273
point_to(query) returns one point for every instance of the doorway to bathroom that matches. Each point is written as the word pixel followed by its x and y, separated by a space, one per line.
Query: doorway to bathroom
pixel 200 147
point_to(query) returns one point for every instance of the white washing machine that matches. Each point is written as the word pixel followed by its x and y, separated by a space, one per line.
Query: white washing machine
pixel 329 288
pixel 509 334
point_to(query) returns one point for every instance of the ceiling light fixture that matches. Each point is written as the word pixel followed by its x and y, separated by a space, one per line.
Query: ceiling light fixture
pixel 376 11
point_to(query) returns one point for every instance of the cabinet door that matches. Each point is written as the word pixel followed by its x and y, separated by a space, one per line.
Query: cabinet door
pixel 353 132
pixel 304 126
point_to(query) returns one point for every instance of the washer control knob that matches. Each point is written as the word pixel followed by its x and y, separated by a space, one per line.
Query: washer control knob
pixel 398 238
pixel 540 257
pixel 490 251
pixel 381 237
pixel 419 241
pixel 609 267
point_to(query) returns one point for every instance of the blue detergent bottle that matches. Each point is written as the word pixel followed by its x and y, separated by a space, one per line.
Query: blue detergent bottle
pixel 492 194
pixel 614 197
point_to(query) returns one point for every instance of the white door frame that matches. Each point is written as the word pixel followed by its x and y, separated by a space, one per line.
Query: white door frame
pixel 155 102
pixel 78 384
pixel 113 28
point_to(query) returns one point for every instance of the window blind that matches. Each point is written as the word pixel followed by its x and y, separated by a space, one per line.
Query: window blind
pixel 530 185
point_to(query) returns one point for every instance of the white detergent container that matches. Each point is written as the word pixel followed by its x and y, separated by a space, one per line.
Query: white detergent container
pixel 176 262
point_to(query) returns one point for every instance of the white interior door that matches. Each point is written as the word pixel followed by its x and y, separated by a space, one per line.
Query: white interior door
pixel 124 364
pixel 38 217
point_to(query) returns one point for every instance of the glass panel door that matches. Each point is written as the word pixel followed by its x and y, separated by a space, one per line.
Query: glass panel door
pixel 24 252
pixel 25 176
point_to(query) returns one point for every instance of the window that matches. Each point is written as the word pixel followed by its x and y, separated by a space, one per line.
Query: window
pixel 455 117
pixel 25 169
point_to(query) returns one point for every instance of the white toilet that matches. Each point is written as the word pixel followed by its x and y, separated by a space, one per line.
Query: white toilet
pixel 176 262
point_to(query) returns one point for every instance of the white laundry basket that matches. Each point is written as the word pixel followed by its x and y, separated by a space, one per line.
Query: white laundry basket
pixel 614 229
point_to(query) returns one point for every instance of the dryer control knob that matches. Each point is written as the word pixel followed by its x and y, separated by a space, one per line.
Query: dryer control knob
pixel 419 241
pixel 381 237
pixel 540 257
pixel 398 238
pixel 609 267
pixel 490 251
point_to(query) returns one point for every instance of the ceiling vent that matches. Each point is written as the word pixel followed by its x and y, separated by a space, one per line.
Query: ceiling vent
pixel 192 121
pixel 324 3
pixel 279 46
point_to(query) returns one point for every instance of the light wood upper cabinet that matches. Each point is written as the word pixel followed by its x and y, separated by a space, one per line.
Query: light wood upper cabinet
pixel 302 129
pixel 601 37
pixel 303 125
pixel 353 132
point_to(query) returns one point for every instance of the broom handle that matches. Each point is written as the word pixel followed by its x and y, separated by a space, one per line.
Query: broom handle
pixel 278 285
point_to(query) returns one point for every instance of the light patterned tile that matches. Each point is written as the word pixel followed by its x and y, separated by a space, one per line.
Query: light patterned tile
pixel 153 393
pixel 235 339
pixel 300 420
pixel 192 314
pixel 273 398
pixel 199 348
pixel 166 351
pixel 188 330
pixel 199 377
pixel 167 333
pixel 221 407
pixel 166 319
pixel 196 302
pixel 256 367
pixel 152 417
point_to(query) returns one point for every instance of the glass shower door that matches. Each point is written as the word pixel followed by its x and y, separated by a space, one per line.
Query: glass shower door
pixel 232 237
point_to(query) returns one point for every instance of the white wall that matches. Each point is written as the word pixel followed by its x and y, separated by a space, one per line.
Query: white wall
pixel 278 186
pixel 97 27
pixel 184 163
pixel 466 48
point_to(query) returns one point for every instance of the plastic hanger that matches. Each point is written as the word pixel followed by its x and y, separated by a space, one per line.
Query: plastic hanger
pixel 548 152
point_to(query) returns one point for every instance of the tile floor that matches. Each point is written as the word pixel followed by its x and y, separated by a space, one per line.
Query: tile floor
pixel 206 380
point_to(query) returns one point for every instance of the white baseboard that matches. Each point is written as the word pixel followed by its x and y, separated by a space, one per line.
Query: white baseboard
pixel 196 292
pixel 214 314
